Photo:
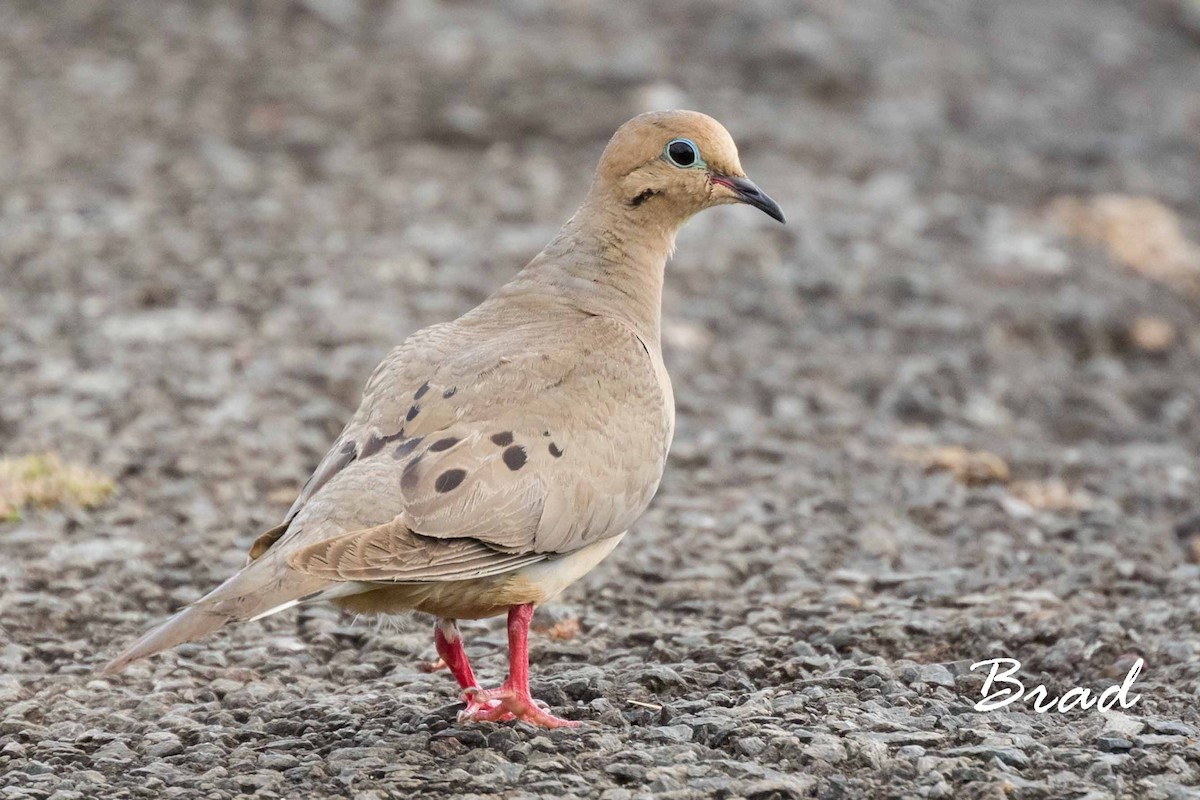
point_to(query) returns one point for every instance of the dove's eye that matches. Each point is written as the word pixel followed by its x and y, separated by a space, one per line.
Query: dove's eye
pixel 683 153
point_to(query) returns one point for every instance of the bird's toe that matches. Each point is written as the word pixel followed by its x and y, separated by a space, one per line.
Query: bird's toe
pixel 502 705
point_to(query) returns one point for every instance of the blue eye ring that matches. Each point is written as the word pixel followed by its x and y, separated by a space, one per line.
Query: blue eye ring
pixel 683 153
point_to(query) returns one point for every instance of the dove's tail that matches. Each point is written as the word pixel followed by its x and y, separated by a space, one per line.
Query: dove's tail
pixel 262 588
pixel 187 625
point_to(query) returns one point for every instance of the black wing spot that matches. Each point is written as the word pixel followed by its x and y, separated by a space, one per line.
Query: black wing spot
pixel 450 392
pixel 376 443
pixel 503 439
pixel 412 412
pixel 421 392
pixel 450 479
pixel 555 451
pixel 514 457
pixel 372 446
pixel 443 444
pixel 348 449
pixel 408 480
pixel 407 447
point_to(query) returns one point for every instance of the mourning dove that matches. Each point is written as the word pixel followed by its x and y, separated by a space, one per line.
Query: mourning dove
pixel 496 459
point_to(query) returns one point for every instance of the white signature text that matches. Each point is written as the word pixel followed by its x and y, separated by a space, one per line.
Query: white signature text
pixel 1000 689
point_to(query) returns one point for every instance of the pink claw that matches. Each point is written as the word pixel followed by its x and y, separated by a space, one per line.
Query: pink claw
pixel 504 704
pixel 480 708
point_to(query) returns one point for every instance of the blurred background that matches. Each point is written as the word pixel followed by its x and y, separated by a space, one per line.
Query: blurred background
pixel 951 411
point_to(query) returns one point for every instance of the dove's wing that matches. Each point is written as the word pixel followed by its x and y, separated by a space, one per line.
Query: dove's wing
pixel 538 451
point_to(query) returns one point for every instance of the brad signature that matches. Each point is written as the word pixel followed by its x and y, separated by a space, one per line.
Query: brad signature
pixel 1011 690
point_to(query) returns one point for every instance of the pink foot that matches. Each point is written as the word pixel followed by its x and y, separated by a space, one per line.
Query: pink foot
pixel 434 666
pixel 501 705
pixel 480 708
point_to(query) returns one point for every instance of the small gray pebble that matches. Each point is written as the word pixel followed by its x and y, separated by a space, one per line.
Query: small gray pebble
pixel 751 745
pixel 936 674
pixel 1113 744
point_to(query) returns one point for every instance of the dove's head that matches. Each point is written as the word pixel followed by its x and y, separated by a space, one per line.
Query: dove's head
pixel 666 166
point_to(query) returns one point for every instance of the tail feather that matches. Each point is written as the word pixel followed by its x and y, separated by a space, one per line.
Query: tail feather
pixel 259 590
pixel 187 625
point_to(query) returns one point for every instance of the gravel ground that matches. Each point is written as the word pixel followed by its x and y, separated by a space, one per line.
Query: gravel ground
pixel 218 216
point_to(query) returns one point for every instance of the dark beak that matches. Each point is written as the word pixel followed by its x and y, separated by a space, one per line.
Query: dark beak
pixel 748 192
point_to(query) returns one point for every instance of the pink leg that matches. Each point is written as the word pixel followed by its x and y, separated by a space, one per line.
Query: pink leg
pixel 513 700
pixel 454 655
pixel 450 648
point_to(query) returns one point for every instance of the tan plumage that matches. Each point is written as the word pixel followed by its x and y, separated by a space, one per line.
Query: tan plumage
pixel 498 457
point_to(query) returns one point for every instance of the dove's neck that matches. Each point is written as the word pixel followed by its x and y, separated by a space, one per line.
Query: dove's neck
pixel 605 261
